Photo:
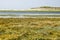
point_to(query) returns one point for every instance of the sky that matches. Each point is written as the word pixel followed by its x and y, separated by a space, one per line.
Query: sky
pixel 26 4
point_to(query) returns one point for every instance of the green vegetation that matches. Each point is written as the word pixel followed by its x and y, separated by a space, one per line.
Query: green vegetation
pixel 45 7
pixel 29 28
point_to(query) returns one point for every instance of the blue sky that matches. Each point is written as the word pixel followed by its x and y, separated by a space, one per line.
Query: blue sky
pixel 25 4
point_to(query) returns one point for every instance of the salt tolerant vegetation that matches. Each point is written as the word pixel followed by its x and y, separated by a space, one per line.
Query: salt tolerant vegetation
pixel 29 28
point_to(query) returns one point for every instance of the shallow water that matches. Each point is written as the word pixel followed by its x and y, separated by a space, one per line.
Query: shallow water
pixel 29 14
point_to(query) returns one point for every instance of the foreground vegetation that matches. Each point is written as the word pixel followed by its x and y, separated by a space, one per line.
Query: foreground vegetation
pixel 29 28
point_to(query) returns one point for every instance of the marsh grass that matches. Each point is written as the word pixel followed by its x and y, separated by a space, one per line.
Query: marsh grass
pixel 30 28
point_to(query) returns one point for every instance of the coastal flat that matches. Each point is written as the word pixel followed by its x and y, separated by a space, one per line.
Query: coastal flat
pixel 29 28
